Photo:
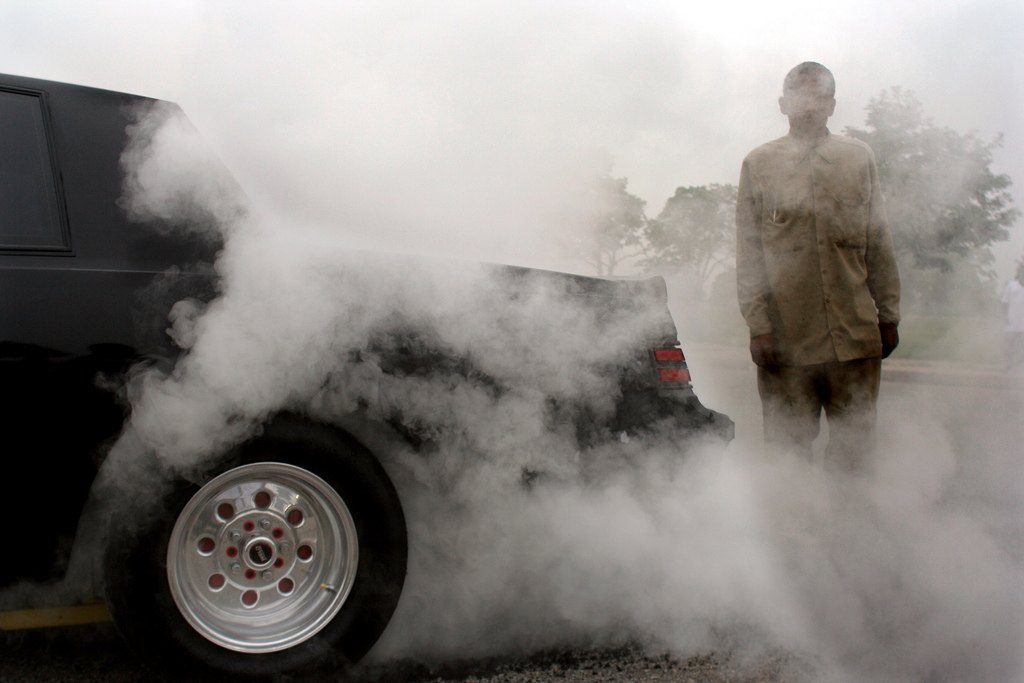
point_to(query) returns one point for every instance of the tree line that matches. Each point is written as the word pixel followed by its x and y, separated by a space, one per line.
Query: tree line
pixel 946 209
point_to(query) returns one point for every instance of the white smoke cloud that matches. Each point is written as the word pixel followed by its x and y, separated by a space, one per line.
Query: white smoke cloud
pixel 879 580
pixel 456 126
pixel 172 178
pixel 911 573
pixel 463 130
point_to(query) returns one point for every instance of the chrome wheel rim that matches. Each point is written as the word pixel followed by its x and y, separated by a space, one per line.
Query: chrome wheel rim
pixel 262 557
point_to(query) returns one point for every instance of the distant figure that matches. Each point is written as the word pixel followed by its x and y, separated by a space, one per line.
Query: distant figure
pixel 1013 305
pixel 816 275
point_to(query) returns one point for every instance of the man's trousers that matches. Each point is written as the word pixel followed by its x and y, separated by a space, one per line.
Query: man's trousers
pixel 792 398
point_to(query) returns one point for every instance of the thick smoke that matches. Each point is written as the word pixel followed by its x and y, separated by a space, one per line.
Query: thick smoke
pixel 172 178
pixel 911 573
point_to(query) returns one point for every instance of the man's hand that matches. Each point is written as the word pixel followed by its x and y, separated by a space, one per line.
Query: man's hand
pixel 764 350
pixel 890 338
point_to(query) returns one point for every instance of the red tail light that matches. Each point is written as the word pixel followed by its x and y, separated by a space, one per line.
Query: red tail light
pixel 670 366
pixel 668 355
pixel 673 375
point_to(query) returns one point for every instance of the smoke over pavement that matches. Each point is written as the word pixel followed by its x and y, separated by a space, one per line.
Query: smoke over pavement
pixel 879 580
pixel 901 575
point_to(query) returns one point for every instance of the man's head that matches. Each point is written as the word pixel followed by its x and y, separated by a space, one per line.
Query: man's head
pixel 808 98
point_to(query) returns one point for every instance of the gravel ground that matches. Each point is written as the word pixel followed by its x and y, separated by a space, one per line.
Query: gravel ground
pixel 87 655
pixel 595 666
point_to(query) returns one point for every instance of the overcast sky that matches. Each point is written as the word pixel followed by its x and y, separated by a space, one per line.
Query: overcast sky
pixel 459 125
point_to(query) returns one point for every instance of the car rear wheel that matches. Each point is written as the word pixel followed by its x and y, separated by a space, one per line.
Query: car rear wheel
pixel 291 557
pixel 262 557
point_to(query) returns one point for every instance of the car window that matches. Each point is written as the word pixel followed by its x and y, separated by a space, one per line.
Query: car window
pixel 30 206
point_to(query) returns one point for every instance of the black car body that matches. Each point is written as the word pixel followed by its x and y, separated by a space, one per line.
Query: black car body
pixel 85 291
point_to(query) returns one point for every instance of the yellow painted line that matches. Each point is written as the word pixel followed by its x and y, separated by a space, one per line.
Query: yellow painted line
pixel 48 617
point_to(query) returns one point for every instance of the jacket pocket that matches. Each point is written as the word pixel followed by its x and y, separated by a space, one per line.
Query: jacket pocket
pixel 848 224
pixel 781 231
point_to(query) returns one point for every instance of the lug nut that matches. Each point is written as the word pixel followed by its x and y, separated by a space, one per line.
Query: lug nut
pixel 266 574
pixel 236 536
pixel 265 524
pixel 286 547
pixel 235 567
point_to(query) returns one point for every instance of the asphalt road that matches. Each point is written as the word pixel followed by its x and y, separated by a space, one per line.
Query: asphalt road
pixel 980 411
pixel 96 654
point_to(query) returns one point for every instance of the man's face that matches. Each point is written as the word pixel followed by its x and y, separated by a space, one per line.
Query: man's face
pixel 808 105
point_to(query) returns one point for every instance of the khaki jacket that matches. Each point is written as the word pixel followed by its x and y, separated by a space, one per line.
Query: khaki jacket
pixel 814 257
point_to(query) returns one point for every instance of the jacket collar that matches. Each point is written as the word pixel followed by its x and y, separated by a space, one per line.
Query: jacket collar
pixel 804 148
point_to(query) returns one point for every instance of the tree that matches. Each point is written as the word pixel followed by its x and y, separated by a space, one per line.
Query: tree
pixel 694 232
pixel 945 204
pixel 946 208
pixel 614 224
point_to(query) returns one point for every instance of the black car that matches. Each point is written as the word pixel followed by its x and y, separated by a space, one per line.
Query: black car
pixel 285 547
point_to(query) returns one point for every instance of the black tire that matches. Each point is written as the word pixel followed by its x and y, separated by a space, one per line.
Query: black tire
pixel 140 598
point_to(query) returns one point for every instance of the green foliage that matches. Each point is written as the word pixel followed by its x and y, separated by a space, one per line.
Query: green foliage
pixel 694 232
pixel 945 204
pixel 616 221
pixel 961 339
pixel 963 288
pixel 946 209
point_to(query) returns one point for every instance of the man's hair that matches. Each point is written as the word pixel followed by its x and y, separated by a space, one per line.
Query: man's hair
pixel 809 72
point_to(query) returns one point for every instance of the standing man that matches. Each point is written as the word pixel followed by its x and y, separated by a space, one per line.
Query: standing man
pixel 816 275
pixel 1013 305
